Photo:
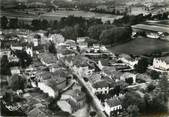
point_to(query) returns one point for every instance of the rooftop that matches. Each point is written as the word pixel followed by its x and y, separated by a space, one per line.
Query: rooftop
pixel 113 102
pixel 48 58
pixel 77 94
pixel 166 59
pixel 101 84
pixel 151 28
pixel 95 77
pixel 36 112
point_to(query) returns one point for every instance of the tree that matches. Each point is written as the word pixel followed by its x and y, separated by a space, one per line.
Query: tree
pixel 155 102
pixel 55 24
pixel 133 111
pixel 44 24
pixel 150 87
pixel 36 24
pixel 95 30
pixel 52 48
pixel 142 65
pixel 24 58
pixel 129 80
pixel 164 85
pixel 53 105
pixel 4 22
pixel 5 67
pixel 18 82
pixel 92 113
pixel 79 30
pixel 13 23
pixel 69 33
pixel 133 98
pixel 115 35
pixel 155 75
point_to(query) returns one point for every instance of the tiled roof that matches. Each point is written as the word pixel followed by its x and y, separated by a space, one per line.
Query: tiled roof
pixel 48 58
pixel 46 75
pixel 101 84
pixel 36 112
pixel 76 94
pixel 125 56
pixel 52 83
pixel 113 102
pixel 166 59
pixel 96 77
pixel 72 103
pixel 60 73
pixel 70 42
pixel 127 74
pixel 108 70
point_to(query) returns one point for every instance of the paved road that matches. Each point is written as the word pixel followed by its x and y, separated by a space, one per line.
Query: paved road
pixel 96 102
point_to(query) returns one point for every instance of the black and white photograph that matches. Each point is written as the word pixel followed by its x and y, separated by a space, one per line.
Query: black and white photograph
pixel 84 58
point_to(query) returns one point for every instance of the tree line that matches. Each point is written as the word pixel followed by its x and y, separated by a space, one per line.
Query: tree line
pixel 132 19
pixel 72 27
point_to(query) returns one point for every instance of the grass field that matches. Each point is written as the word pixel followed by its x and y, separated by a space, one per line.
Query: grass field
pixel 58 14
pixel 141 46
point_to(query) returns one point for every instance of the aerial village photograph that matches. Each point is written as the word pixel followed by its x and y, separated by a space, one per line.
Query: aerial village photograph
pixel 84 58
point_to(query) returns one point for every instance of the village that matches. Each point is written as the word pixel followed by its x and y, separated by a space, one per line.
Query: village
pixel 48 75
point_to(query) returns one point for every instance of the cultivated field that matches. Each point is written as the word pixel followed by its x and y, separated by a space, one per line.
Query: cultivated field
pixel 141 46
pixel 58 14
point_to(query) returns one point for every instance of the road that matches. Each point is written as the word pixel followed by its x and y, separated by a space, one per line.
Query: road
pixel 96 102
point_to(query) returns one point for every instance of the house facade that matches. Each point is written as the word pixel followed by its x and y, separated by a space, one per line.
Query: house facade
pixel 112 106
pixel 101 87
pixel 74 98
pixel 161 64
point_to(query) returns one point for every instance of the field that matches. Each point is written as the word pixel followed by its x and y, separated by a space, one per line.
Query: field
pixel 141 46
pixel 58 14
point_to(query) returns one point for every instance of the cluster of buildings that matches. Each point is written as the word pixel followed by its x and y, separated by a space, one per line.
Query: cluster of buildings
pixel 76 66
pixel 152 31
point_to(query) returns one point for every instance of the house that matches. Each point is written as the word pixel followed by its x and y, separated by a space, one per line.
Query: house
pixel 83 71
pixel 128 75
pixel 101 87
pixel 36 112
pixel 45 75
pixel 16 47
pixel 153 31
pixel 112 106
pixel 35 42
pixel 58 78
pixel 75 98
pixel 143 78
pixel 128 60
pixel 98 84
pixel 94 78
pixel 59 82
pixel 5 52
pixel 71 44
pixel 108 71
pixel 57 38
pixel 161 63
pixel 47 59
pixel 48 89
pixel 29 51
pixel 54 67
pixel 13 58
pixel 96 47
pixel 81 41
pixel 65 106
pixel 15 70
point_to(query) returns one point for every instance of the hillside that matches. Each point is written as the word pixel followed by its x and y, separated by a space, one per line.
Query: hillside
pixel 141 46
